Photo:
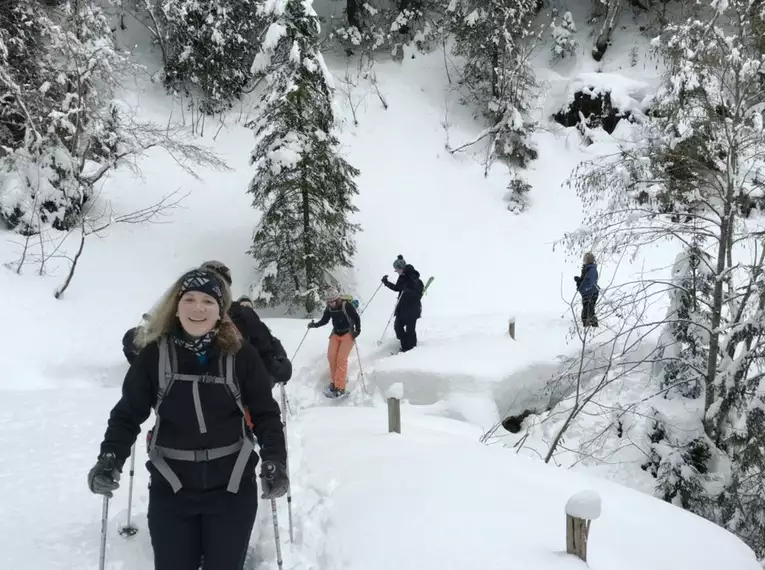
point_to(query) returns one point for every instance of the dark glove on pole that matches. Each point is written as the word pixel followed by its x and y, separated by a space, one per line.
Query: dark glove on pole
pixel 104 477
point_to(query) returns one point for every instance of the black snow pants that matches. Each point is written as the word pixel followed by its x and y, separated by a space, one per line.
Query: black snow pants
pixel 406 332
pixel 213 526
pixel 589 319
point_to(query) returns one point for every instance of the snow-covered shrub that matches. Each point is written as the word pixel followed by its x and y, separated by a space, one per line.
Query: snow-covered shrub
pixel 374 26
pixel 490 38
pixel 563 42
pixel 680 450
pixel 302 184
pixel 209 48
pixel 57 82
pixel 517 194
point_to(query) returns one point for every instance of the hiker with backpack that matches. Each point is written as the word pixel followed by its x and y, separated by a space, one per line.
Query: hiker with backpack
pixel 129 348
pixel 197 374
pixel 255 331
pixel 409 304
pixel 587 285
pixel 346 327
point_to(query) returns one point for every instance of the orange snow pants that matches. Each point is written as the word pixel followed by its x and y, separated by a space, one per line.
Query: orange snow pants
pixel 337 354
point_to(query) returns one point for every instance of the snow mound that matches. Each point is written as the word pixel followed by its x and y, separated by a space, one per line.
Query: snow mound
pixel 434 497
pixel 627 95
pixel 470 368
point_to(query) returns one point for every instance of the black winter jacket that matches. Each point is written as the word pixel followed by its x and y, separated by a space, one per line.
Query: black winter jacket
pixel 128 345
pixel 179 427
pixel 341 324
pixel 270 349
pixel 410 288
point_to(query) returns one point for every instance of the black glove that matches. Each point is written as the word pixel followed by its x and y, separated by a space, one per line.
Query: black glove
pixel 312 325
pixel 104 477
pixel 577 279
pixel 355 334
pixel 385 279
pixel 275 480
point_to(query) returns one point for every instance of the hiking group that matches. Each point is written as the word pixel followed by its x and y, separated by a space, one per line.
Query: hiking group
pixel 207 365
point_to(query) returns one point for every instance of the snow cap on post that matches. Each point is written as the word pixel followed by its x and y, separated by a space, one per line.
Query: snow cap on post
pixel 396 391
pixel 584 505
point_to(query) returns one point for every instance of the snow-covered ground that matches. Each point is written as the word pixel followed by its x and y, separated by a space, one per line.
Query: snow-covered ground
pixel 433 497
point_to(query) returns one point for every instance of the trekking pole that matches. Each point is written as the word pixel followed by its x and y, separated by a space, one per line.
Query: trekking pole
pixel 129 529
pixel 301 344
pixel 276 534
pixel 370 299
pixel 104 526
pixel 379 342
pixel 286 445
pixel 361 369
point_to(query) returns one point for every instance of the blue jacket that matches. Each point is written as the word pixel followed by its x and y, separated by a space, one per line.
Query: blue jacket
pixel 588 286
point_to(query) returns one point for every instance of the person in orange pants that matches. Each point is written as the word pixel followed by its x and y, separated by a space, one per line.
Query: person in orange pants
pixel 346 326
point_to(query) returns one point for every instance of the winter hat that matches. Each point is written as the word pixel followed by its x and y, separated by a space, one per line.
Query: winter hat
pixel 204 282
pixel 220 268
pixel 331 293
pixel 399 263
pixel 244 299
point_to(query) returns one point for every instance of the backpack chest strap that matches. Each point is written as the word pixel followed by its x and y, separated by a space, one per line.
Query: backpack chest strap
pixel 168 364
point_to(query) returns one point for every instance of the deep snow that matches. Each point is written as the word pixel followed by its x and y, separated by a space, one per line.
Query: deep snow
pixel 433 497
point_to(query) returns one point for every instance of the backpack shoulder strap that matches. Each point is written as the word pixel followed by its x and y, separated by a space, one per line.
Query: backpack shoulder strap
pixel 231 383
pixel 167 365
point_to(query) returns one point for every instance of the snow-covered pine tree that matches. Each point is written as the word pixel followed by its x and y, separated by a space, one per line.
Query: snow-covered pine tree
pixel 489 35
pixel 209 48
pixel 696 176
pixel 58 78
pixel 302 184
pixel 680 450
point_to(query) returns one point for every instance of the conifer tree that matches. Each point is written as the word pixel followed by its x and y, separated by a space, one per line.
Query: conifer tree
pixel 302 185
pixel 209 48
pixel 489 35
pixel 695 177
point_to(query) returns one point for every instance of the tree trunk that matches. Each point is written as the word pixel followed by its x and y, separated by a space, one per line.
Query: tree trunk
pixel 609 23
pixel 352 13
pixel 307 247
pixel 717 307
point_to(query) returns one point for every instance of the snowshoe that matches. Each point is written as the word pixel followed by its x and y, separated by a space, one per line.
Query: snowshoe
pixel 334 393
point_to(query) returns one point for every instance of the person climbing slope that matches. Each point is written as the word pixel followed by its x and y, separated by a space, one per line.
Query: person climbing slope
pixel 409 304
pixel 255 331
pixel 587 285
pixel 346 327
pixel 196 373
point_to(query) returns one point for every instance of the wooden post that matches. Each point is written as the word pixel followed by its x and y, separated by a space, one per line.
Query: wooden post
pixel 394 415
pixel 577 531
pixel 511 328
pixel 581 509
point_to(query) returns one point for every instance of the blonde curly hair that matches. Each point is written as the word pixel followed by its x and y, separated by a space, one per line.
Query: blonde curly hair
pixel 163 319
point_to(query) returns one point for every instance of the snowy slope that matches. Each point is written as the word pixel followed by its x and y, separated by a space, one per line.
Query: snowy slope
pixel 62 365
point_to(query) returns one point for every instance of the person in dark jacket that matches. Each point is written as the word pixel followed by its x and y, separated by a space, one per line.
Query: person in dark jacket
pixel 409 305
pixel 346 327
pixel 255 331
pixel 203 493
pixel 587 285
pixel 129 348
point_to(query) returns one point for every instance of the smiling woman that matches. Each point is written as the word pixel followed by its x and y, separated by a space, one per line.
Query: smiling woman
pixel 200 378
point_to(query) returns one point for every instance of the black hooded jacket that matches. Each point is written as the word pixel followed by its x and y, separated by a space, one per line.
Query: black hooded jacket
pixel 179 425
pixel 410 288
pixel 270 349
